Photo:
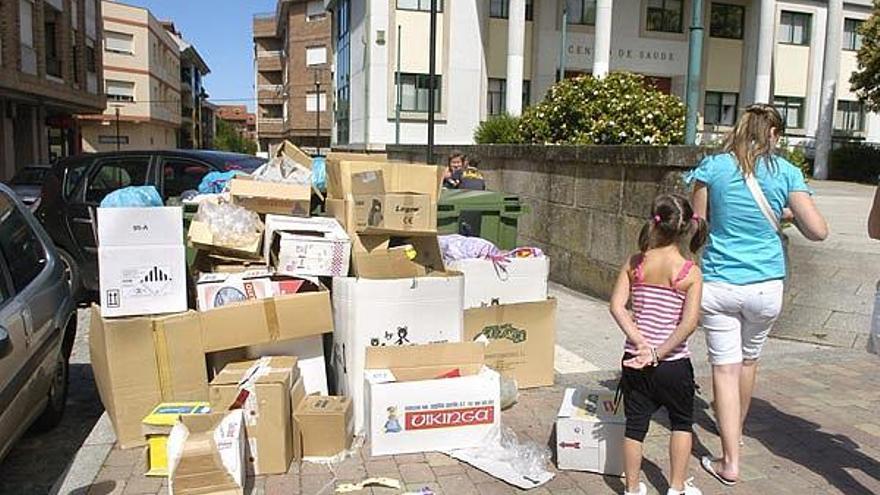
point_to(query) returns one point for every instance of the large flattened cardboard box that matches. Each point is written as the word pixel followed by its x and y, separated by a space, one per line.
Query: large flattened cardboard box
pixel 262 389
pixel 376 313
pixel 380 210
pixel 206 455
pixel 419 179
pixel 517 280
pixel 590 427
pixel 522 339
pixel 141 261
pixel 411 408
pixel 141 362
pixel 326 425
pixel 317 247
pixel 271 197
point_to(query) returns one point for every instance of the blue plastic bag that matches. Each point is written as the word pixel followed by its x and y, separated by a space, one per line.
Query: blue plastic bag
pixel 132 197
pixel 319 173
pixel 215 182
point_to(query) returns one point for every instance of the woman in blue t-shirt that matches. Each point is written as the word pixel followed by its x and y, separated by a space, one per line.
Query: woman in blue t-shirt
pixel 744 262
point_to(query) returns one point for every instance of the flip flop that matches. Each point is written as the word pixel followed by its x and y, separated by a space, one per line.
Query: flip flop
pixel 706 462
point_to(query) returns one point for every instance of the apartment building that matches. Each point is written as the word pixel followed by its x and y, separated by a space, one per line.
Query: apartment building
pixel 489 62
pixel 142 83
pixel 193 70
pixel 293 75
pixel 237 115
pixel 50 70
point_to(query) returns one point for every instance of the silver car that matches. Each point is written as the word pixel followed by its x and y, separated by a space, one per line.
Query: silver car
pixel 37 324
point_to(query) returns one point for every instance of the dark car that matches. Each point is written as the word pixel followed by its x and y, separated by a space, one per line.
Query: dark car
pixel 76 186
pixel 37 324
pixel 28 182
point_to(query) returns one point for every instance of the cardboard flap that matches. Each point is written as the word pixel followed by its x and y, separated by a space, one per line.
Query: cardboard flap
pixel 244 187
pixel 414 374
pixel 404 360
pixel 591 405
pixel 377 260
pixel 294 153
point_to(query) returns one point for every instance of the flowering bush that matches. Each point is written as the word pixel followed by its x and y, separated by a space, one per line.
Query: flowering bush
pixel 620 108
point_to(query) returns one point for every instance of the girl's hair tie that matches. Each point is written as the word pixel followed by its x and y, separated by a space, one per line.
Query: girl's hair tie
pixel 657 219
pixel 695 217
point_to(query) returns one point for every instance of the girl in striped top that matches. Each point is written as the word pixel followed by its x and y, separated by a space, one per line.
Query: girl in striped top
pixel 656 302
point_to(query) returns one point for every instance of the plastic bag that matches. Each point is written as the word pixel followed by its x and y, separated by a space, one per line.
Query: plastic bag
pixel 230 224
pixel 504 456
pixel 509 392
pixel 456 247
pixel 216 182
pixel 319 173
pixel 132 197
pixel 284 169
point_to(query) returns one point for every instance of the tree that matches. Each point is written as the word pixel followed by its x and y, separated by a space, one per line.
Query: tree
pixel 866 80
pixel 230 138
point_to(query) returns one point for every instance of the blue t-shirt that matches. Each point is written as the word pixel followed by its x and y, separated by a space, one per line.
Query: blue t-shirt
pixel 743 247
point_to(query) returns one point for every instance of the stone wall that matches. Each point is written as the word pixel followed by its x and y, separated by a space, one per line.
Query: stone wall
pixel 587 203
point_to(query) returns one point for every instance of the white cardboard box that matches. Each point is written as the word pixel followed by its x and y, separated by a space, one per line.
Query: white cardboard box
pixel 370 312
pixel 590 429
pixel 141 261
pixel 317 247
pixel 519 280
pixel 409 412
pixel 309 352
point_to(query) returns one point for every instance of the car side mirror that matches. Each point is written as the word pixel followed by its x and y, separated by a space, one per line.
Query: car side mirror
pixel 5 342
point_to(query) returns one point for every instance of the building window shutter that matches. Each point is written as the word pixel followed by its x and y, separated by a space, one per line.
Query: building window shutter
pixel 118 42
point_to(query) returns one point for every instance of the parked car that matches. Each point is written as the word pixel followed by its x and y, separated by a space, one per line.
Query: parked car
pixel 37 324
pixel 28 182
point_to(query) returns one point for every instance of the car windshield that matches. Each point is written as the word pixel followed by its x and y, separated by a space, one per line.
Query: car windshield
pixel 30 176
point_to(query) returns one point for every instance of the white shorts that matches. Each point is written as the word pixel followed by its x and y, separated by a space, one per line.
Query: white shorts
pixel 738 318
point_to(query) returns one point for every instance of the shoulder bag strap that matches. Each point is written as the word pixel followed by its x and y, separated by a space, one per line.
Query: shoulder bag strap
pixel 763 205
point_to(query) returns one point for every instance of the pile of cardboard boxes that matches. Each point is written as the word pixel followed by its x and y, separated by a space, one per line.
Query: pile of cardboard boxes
pixel 221 368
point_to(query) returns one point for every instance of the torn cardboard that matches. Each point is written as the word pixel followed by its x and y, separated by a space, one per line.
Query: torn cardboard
pixel 326 425
pixel 202 238
pixel 271 197
pixel 206 455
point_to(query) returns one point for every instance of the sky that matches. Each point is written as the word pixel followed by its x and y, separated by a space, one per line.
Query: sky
pixel 221 32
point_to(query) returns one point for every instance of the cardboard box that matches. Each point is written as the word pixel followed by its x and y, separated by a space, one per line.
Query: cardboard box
pixel 200 237
pixel 379 210
pixel 385 257
pixel 297 395
pixel 262 389
pixel 214 290
pixel 326 425
pixel 141 362
pixel 410 408
pixel 141 261
pixel 518 280
pixel 522 339
pixel 310 359
pixel 294 153
pixel 206 455
pixel 590 429
pixel 375 313
pixel 271 197
pixel 316 247
pixel 420 179
pixel 157 426
pixel 205 262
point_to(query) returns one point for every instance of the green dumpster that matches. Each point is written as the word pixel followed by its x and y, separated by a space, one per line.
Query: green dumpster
pixel 189 212
pixel 491 215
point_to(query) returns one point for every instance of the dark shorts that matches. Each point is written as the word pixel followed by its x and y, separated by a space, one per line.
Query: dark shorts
pixel 669 385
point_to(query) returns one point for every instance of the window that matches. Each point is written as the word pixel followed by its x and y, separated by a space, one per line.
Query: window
pixel 91 19
pixel 497 96
pixel 181 175
pixel 665 16
pixel 343 71
pixel 727 21
pixel 73 174
pixel 315 11
pixel 316 102
pixel 794 28
pixel 91 59
pixel 316 55
pixel 415 92
pixel 720 108
pixel 850 116
pixel 119 90
pixel 19 245
pixel 26 36
pixel 581 11
pixel 500 9
pixel 116 174
pixel 792 110
pixel 118 42
pixel 420 5
pixel 527 93
pixel 52 40
pixel 852 39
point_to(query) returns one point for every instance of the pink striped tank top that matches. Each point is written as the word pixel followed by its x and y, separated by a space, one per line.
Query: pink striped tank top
pixel 657 310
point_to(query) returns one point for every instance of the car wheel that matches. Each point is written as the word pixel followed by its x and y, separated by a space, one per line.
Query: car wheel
pixel 71 273
pixel 54 411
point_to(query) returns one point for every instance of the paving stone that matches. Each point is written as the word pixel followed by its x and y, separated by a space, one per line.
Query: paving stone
pixel 437 459
pixel 282 485
pixel 448 470
pixel 416 473
pixel 409 458
pixel 138 485
pixel 494 488
pixel 315 483
pixel 387 468
pixel 457 484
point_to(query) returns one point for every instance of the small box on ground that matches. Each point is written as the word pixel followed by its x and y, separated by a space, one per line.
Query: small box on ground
pixel 157 426
pixel 326 425
pixel 378 210
pixel 511 281
pixel 262 389
pixel 141 261
pixel 271 197
pixel 429 398
pixel 590 428
pixel 202 238
pixel 206 455
pixel 522 339
pixel 316 247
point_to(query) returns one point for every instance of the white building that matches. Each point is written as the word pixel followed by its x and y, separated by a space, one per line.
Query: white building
pixel 483 57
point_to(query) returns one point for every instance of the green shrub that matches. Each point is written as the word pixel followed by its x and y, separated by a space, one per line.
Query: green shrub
pixel 499 129
pixel 620 108
pixel 856 163
pixel 797 156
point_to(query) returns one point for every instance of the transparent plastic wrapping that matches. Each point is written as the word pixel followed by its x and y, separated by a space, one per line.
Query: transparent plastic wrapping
pixel 230 224
pixel 509 392
pixel 521 463
pixel 284 169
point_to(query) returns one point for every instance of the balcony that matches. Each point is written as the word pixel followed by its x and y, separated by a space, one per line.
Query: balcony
pixel 270 61
pixel 270 93
pixel 270 126
pixel 265 25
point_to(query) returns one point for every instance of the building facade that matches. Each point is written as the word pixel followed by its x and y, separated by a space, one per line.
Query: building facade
pixel 50 70
pixel 292 52
pixel 142 83
pixel 193 70
pixel 237 115
pixel 484 56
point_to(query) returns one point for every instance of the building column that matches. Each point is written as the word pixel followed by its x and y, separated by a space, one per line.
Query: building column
pixel 602 43
pixel 516 43
pixel 766 42
pixel 830 69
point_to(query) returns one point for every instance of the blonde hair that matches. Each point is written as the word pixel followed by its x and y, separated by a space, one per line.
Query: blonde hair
pixel 751 138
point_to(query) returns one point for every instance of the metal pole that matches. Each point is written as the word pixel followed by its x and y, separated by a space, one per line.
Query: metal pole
pixel 117 128
pixel 432 74
pixel 317 112
pixel 829 88
pixel 562 42
pixel 399 92
pixel 695 61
